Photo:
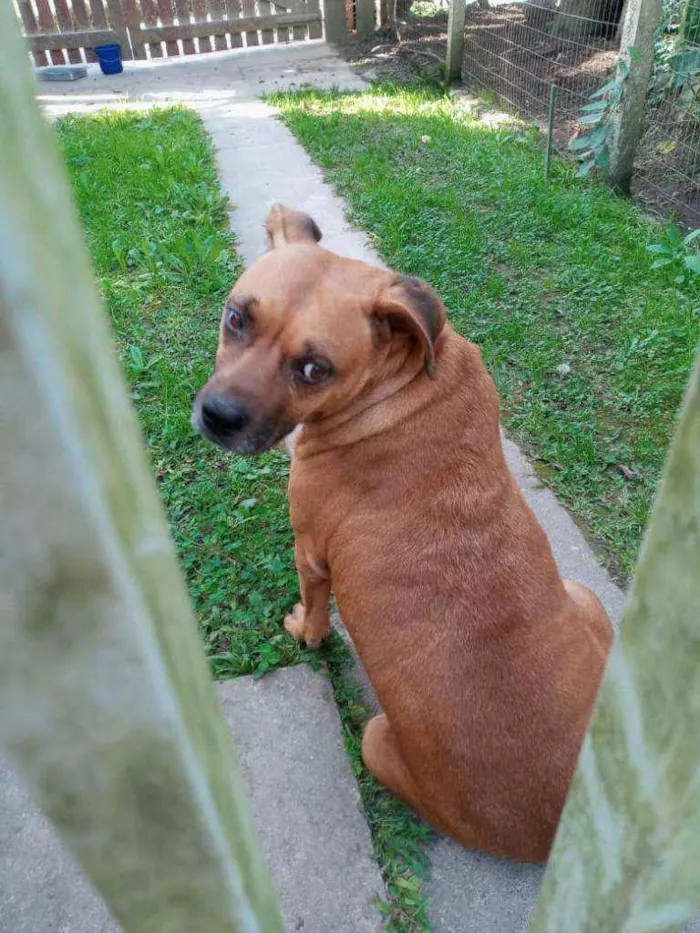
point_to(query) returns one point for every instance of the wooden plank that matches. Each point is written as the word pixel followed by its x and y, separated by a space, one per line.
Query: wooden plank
pixel 244 24
pixel 30 27
pixel 218 12
pixel 85 39
pixel 132 18
pixel 315 30
pixel 149 11
pixel 64 21
pixel 266 9
pixel 116 20
pixel 47 24
pixel 108 709
pixel 249 12
pixel 200 9
pixel 627 850
pixel 182 8
pixel 81 16
pixel 234 13
pixel 455 40
pixel 97 13
pixel 99 21
pixel 334 21
pixel 165 9
pixel 639 31
pixel 365 18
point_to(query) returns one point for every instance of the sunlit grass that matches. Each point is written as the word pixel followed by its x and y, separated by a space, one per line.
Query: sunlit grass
pixel 589 347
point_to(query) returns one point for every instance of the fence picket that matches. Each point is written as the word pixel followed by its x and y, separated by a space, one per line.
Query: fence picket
pixel 30 27
pixel 627 851
pixel 108 707
pixel 315 28
pixel 182 8
pixel 64 21
pixel 218 12
pixel 200 9
pixel 132 19
pixel 265 8
pixel 149 12
pixel 81 16
pixel 235 12
pixel 249 11
pixel 167 16
pixel 152 28
pixel 116 20
pixel 47 24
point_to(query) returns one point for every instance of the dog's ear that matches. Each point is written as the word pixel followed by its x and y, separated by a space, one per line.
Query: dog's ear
pixel 409 305
pixel 285 226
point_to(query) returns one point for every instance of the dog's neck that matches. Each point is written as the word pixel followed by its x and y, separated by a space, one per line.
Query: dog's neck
pixel 404 388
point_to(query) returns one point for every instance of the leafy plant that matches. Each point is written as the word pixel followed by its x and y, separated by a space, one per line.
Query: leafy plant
pixel 677 250
pixel 596 118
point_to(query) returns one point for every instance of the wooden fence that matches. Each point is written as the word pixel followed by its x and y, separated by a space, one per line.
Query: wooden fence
pixel 106 695
pixel 64 31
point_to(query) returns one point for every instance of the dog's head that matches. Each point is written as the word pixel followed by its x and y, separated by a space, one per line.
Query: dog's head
pixel 304 333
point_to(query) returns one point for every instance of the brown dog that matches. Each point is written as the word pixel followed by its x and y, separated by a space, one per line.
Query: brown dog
pixel 486 664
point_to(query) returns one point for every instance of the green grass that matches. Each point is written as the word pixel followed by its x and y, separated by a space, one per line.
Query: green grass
pixel 156 226
pixel 539 275
pixel 155 223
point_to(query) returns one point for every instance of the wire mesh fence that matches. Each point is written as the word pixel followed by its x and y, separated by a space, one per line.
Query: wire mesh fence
pixel 517 50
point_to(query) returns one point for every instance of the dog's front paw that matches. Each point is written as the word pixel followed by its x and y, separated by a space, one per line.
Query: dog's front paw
pixel 295 624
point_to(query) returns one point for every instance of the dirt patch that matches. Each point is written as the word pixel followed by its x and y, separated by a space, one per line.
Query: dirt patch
pixel 419 51
pixel 511 53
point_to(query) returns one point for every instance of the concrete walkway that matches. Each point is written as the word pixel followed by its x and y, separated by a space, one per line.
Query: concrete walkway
pixel 305 803
pixel 261 162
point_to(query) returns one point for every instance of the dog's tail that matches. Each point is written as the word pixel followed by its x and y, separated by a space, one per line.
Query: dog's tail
pixel 284 226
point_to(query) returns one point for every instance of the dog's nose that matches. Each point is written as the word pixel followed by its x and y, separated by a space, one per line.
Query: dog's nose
pixel 224 416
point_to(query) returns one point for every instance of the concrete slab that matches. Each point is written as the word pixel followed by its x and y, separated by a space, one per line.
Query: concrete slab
pixel 305 800
pixel 259 160
pixel 306 806
pixel 41 890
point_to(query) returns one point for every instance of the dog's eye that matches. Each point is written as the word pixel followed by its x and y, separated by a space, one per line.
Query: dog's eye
pixel 234 320
pixel 312 372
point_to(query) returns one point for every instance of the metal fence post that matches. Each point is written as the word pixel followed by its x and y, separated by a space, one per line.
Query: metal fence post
pixel 626 856
pixel 455 40
pixel 107 703
pixel 642 18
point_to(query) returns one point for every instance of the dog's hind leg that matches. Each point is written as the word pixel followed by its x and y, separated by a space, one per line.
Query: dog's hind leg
pixel 382 755
pixel 595 614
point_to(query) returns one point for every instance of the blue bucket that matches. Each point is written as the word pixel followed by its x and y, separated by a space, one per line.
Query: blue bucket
pixel 110 59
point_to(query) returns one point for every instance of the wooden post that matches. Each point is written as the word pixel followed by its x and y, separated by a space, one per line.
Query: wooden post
pixel 117 21
pixel 642 17
pixel 455 40
pixel 132 14
pixel 108 708
pixel 366 21
pixel 334 26
pixel 628 848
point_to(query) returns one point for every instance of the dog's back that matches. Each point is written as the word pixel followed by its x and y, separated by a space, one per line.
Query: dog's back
pixel 484 664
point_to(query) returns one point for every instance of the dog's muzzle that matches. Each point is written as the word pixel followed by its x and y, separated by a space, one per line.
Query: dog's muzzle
pixel 229 423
